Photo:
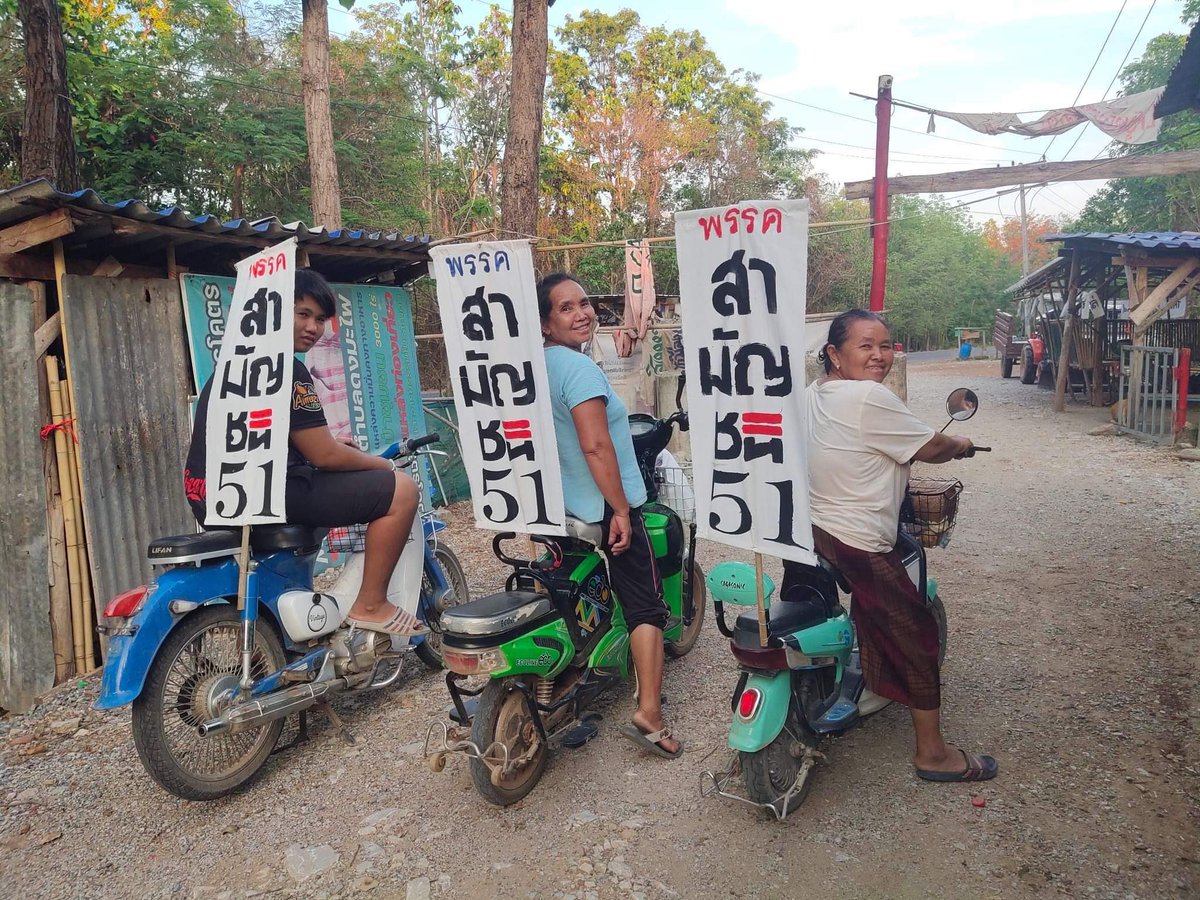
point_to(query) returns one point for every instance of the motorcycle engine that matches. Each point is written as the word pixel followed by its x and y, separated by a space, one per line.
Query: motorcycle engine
pixel 354 653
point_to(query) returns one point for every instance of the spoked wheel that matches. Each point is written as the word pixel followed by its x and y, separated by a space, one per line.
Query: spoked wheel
pixel 772 771
pixel 691 633
pixel 430 648
pixel 503 717
pixel 939 613
pixel 198 665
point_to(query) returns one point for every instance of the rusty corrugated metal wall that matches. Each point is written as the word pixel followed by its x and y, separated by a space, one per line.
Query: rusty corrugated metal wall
pixel 129 374
pixel 26 646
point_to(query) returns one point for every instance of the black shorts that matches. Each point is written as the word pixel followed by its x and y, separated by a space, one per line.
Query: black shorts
pixel 330 499
pixel 634 575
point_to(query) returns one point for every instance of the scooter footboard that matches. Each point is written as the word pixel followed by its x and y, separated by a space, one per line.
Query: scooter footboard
pixel 758 717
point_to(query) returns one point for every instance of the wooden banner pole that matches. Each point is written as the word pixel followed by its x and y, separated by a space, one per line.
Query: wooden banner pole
pixel 760 599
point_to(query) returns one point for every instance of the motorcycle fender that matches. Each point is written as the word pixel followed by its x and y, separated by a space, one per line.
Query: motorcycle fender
pixel 751 735
pixel 130 656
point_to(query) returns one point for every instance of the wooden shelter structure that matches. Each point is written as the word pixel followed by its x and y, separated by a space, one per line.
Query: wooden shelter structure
pixel 1111 294
pixel 94 359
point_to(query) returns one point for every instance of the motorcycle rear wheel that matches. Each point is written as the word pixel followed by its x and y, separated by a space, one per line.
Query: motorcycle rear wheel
pixel 770 772
pixel 691 634
pixel 503 715
pixel 200 659
pixel 429 651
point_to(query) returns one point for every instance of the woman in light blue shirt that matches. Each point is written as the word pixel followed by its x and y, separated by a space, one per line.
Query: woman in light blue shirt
pixel 602 483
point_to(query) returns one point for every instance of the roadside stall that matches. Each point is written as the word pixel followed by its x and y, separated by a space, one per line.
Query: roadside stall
pixel 112 314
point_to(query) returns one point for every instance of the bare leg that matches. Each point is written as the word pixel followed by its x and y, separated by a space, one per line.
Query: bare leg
pixel 933 753
pixel 386 537
pixel 646 647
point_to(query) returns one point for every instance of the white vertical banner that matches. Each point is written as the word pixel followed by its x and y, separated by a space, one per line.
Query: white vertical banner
pixel 488 301
pixel 249 406
pixel 742 281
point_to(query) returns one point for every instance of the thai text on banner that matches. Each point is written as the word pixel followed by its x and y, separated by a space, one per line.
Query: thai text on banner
pixel 249 409
pixel 488 303
pixel 742 282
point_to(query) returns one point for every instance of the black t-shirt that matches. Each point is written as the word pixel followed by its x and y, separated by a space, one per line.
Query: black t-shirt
pixel 306 413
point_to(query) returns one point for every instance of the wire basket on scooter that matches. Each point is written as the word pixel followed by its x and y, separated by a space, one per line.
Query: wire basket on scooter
pixel 675 490
pixel 929 509
pixel 348 539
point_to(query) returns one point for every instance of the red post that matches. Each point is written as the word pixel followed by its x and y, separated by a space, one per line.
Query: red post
pixel 1182 372
pixel 879 203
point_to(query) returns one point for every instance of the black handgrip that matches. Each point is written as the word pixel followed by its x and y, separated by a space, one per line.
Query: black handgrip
pixel 415 444
pixel 555 552
pixel 975 450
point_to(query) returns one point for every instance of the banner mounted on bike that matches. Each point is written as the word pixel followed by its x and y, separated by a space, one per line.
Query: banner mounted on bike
pixel 742 283
pixel 249 410
pixel 488 302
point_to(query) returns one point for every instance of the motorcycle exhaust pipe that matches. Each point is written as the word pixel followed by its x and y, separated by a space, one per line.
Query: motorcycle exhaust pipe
pixel 274 706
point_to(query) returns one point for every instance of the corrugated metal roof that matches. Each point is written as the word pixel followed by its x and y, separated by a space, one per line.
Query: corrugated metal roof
pixel 1145 240
pixel 1037 275
pixel 15 205
pixel 136 234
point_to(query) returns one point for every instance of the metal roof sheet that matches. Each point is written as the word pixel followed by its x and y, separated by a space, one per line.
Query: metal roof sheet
pixel 32 198
pixel 1145 240
pixel 1037 275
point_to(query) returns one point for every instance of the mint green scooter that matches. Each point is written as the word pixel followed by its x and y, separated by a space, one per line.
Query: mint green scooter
pixel 807 682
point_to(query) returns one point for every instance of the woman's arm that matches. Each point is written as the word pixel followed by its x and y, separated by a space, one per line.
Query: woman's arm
pixel 591 423
pixel 942 448
pixel 319 448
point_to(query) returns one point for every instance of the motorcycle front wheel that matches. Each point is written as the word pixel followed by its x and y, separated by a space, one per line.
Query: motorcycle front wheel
pixel 429 651
pixel 503 717
pixel 198 663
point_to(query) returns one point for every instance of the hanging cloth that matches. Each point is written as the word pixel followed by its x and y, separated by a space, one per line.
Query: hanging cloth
pixel 639 297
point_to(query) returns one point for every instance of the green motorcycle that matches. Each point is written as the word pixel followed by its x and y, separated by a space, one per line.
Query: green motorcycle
pixel 555 638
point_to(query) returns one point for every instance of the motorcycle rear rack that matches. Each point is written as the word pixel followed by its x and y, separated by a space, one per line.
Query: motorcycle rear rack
pixel 716 783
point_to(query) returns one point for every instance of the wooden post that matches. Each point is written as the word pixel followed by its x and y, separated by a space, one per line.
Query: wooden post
pixel 879 207
pixel 1068 333
pixel 85 572
pixel 66 484
pixel 761 601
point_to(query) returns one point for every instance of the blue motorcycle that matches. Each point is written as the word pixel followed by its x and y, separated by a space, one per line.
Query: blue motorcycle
pixel 212 683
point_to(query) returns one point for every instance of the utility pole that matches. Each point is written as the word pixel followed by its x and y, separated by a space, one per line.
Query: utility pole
pixel 519 184
pixel 879 204
pixel 1024 235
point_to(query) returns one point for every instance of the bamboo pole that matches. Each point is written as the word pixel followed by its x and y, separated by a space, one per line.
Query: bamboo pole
pixel 70 523
pixel 760 599
pixel 670 238
pixel 85 572
pixel 61 628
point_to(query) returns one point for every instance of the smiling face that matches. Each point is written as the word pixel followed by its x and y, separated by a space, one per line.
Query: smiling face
pixel 865 355
pixel 308 324
pixel 571 317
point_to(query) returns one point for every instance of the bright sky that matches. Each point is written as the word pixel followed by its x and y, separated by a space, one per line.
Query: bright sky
pixel 1000 56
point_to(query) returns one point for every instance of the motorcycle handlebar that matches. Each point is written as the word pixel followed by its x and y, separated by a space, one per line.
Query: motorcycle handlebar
pixel 411 446
pixel 552 563
pixel 975 450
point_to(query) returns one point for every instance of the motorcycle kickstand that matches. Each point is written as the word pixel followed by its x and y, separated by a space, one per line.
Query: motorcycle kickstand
pixel 343 731
pixel 301 734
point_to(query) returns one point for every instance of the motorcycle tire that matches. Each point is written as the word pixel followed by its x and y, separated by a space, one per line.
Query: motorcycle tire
pixel 201 656
pixel 503 715
pixel 770 772
pixel 1028 367
pixel 691 634
pixel 429 651
pixel 939 613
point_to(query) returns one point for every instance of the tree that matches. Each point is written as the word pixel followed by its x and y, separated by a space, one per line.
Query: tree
pixel 522 147
pixel 47 139
pixel 1006 239
pixel 314 76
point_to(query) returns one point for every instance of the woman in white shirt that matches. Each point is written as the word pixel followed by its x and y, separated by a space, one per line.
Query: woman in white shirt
pixel 862 439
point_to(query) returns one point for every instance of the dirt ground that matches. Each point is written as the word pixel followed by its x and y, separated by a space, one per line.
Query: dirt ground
pixel 1073 597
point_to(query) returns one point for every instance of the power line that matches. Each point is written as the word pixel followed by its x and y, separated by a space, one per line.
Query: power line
pixel 1095 62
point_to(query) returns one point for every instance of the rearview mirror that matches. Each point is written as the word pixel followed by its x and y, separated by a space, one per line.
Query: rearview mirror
pixel 962 404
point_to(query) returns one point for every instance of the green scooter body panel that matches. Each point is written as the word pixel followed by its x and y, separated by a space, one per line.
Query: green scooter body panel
pixel 751 735
pixel 930 586
pixel 833 637
pixel 545 651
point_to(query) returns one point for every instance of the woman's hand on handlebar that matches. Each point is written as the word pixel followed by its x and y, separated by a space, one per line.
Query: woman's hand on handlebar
pixel 965 449
pixel 620 532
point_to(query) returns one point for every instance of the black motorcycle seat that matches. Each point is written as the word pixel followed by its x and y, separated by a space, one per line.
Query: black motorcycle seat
pixel 496 613
pixel 785 619
pixel 227 542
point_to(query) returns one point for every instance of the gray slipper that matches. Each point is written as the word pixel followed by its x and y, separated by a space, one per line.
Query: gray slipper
pixel 650 742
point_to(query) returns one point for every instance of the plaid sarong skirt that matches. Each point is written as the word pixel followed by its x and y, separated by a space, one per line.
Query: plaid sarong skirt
pixel 897 634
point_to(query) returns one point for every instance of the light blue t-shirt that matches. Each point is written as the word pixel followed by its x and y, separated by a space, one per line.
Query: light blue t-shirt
pixel 574 378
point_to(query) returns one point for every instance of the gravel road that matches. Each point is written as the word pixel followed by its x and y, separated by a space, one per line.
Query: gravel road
pixel 1073 599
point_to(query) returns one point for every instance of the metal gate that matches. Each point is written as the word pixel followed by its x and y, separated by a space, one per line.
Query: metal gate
pixel 1149 401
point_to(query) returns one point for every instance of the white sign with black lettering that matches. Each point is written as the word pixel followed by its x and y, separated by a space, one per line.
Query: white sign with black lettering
pixel 488 302
pixel 249 409
pixel 742 281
